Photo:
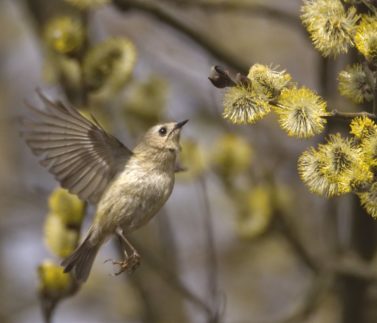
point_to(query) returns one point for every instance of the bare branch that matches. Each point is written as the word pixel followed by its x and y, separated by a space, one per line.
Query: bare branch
pixel 244 8
pixel 196 36
pixel 212 267
pixel 172 280
pixel 335 114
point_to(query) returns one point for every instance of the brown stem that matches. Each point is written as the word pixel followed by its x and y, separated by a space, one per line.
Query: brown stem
pixel 244 8
pixel 177 25
pixel 296 242
pixel 212 268
pixel 349 115
pixel 172 280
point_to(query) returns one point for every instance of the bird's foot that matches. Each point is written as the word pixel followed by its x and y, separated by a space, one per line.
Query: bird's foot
pixel 128 265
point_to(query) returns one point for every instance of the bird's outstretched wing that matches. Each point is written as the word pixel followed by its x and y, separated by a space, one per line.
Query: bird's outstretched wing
pixel 78 152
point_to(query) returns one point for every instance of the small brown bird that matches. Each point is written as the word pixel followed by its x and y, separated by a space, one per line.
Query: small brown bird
pixel 128 187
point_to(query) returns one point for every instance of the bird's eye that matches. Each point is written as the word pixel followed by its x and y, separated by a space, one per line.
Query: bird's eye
pixel 162 131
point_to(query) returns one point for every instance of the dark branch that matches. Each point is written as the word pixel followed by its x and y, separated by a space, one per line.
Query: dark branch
pixel 349 115
pixel 196 36
pixel 212 266
pixel 172 280
pixel 244 8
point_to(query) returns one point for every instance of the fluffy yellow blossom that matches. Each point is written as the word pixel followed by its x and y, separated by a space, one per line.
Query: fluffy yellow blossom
pixel 369 149
pixel 353 84
pixel 268 81
pixel 341 157
pixel 335 168
pixel 330 26
pixel 60 239
pixel 192 159
pixel 109 65
pixel 65 35
pixel 256 213
pixel 300 112
pixel 231 155
pixel 242 105
pixel 369 200
pixel 67 206
pixel 53 282
pixel 311 170
pixel 366 38
pixel 363 127
pixel 361 175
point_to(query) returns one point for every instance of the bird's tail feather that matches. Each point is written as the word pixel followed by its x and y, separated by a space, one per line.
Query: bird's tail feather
pixel 81 260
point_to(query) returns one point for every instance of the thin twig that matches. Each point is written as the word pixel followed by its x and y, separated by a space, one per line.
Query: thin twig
pixel 171 279
pixel 297 244
pixel 349 115
pixel 354 267
pixel 312 300
pixel 212 267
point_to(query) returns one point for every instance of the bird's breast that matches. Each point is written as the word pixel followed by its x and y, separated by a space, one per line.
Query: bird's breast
pixel 135 196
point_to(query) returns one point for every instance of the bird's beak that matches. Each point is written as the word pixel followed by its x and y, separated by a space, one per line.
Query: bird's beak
pixel 179 125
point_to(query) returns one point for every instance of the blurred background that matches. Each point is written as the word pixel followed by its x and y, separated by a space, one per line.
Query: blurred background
pixel 241 239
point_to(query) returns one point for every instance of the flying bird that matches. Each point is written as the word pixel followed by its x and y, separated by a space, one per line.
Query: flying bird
pixel 127 187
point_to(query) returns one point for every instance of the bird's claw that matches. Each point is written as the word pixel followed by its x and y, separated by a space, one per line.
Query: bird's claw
pixel 129 264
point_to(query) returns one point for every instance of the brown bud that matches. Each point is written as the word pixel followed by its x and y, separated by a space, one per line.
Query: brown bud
pixel 222 78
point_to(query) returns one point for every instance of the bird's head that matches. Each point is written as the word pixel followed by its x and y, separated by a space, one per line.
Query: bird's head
pixel 164 136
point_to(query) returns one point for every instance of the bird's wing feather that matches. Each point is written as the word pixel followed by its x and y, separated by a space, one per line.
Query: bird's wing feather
pixel 78 152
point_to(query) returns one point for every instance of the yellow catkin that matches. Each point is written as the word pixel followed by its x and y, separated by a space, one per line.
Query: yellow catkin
pixel 301 112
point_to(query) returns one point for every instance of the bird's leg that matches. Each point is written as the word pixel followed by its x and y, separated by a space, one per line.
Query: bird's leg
pixel 131 262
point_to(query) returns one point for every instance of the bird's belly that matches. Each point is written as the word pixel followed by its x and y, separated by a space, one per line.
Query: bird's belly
pixel 132 203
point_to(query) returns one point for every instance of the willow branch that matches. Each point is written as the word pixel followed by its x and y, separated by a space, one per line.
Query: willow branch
pixel 194 35
pixel 244 8
pixel 351 265
pixel 312 299
pixel 335 114
pixel 212 268
pixel 296 242
pixel 172 280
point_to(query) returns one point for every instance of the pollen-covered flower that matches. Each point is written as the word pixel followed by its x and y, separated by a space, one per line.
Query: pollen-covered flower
pixel 331 27
pixel 109 65
pixel 59 238
pixel 268 81
pixel 366 38
pixel 353 84
pixel 231 155
pixel 242 105
pixel 65 35
pixel 343 162
pixel 192 159
pixel 87 4
pixel 311 165
pixel 67 206
pixel 369 149
pixel 363 127
pixel 300 112
pixel 256 212
pixel 53 282
pixel 361 176
pixel 369 200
